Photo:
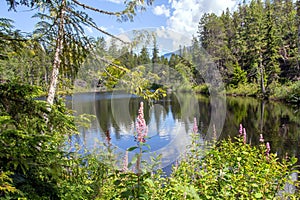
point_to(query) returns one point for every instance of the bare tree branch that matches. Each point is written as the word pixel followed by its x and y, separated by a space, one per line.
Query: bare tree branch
pixel 96 9
pixel 97 28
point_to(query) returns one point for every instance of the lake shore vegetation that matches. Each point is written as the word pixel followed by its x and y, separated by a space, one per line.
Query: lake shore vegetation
pixel 36 163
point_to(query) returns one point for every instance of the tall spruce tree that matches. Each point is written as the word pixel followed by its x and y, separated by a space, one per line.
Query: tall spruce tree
pixel 143 57
pixel 271 52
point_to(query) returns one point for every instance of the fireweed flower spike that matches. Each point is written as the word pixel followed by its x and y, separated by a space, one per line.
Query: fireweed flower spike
pixel 195 127
pixel 244 135
pixel 261 138
pixel 141 126
pixel 241 130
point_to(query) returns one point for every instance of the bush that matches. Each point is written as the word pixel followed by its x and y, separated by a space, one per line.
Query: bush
pixel 30 144
pixel 289 92
pixel 247 89
pixel 230 170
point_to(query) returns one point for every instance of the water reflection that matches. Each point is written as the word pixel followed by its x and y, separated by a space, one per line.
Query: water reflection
pixel 171 120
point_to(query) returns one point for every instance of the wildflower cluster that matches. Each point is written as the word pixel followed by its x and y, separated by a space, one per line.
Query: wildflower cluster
pixel 242 132
pixel 141 127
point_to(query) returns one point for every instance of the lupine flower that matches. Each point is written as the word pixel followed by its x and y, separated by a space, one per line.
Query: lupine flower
pixel 241 130
pixel 125 162
pixel 261 138
pixel 244 136
pixel 141 126
pixel 268 149
pixel 195 127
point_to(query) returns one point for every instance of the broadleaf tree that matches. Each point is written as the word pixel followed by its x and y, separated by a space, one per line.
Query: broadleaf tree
pixel 62 29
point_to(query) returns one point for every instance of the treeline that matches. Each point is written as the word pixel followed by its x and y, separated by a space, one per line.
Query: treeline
pixel 258 43
pixel 255 48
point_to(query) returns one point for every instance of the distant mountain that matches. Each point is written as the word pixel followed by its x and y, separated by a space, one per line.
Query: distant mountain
pixel 177 52
pixel 168 55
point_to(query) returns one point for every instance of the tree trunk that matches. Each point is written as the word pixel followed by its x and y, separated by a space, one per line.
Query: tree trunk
pixel 262 113
pixel 57 59
pixel 298 38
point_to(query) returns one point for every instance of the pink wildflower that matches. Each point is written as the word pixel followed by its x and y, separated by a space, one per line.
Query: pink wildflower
pixel 195 127
pixel 244 135
pixel 141 126
pixel 261 138
pixel 125 162
pixel 241 130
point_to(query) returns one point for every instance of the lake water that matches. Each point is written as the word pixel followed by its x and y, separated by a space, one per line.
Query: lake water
pixel 170 121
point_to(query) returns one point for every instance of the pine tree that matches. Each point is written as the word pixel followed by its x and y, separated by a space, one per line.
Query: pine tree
pixel 271 53
pixel 255 43
pixel 143 57
pixel 155 52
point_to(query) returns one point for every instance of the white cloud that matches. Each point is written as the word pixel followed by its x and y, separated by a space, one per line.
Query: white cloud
pixel 116 1
pixel 187 13
pixel 161 10
pixel 89 29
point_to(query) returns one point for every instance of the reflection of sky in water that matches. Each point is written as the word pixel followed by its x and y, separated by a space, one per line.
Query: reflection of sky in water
pixel 167 132
pixel 161 130
pixel 170 121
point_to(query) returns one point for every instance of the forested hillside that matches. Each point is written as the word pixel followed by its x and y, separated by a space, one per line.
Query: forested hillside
pixel 257 44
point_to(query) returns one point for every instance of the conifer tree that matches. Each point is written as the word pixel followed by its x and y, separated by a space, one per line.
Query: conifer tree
pixel 271 39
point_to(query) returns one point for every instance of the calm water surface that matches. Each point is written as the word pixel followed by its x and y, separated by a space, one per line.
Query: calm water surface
pixel 170 121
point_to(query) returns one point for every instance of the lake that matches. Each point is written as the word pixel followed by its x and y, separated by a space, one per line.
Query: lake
pixel 170 121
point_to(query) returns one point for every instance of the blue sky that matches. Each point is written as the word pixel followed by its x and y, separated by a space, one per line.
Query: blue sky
pixel 181 16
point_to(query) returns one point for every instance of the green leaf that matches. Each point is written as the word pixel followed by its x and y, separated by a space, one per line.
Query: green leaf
pixel 133 161
pixel 258 195
pixel 132 148
pixel 150 182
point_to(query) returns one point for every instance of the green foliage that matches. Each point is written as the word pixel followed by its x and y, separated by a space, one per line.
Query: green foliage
pixel 239 76
pixel 30 146
pixel 203 89
pixel 231 170
pixel 6 183
pixel 260 36
pixel 289 92
pixel 35 165
pixel 247 89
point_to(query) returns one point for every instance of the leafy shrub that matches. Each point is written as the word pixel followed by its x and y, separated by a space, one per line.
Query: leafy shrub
pixel 247 89
pixel 230 170
pixel 290 92
pixel 30 145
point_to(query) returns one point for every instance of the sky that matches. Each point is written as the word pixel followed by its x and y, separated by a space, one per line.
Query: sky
pixel 181 16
